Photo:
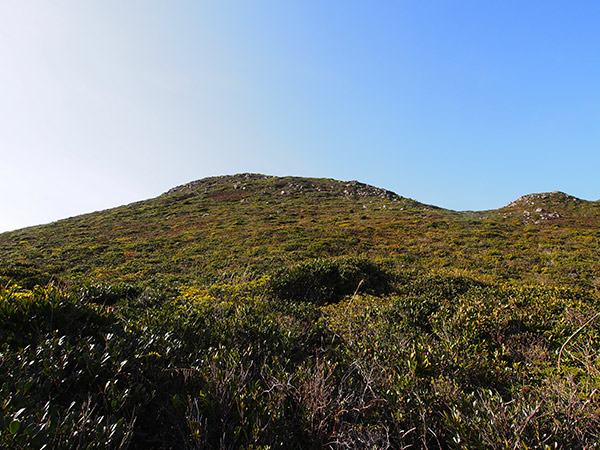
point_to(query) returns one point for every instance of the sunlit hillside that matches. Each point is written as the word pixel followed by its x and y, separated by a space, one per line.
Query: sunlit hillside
pixel 246 225
pixel 252 311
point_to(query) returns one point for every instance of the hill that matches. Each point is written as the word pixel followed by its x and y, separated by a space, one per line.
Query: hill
pixel 552 205
pixel 224 227
pixel 261 312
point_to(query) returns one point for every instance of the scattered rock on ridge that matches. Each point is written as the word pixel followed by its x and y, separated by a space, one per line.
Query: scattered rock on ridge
pixel 284 186
pixel 544 206
pixel 548 198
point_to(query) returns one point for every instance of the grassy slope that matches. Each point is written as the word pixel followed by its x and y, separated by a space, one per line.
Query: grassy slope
pixel 201 319
pixel 226 226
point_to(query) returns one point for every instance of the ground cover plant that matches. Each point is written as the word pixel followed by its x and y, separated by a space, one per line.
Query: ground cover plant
pixel 262 312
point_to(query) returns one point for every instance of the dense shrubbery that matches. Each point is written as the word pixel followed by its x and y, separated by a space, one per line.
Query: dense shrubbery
pixel 63 376
pixel 199 371
pixel 324 280
pixel 456 364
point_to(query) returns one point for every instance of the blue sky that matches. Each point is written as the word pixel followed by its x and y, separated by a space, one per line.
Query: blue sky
pixel 466 105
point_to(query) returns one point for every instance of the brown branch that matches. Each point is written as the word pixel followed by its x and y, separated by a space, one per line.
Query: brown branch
pixel 575 334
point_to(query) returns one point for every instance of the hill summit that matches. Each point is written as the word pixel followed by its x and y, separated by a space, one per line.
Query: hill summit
pixel 551 205
pixel 283 186
pixel 547 199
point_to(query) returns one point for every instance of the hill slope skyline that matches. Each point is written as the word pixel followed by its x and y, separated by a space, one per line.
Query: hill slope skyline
pixel 233 226
pixel 522 200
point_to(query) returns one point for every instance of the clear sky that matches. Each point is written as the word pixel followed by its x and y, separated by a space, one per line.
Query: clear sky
pixel 461 104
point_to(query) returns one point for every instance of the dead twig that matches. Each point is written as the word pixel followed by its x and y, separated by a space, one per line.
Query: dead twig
pixel 575 334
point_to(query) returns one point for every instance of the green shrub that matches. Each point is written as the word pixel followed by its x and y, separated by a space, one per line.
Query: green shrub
pixel 322 281
pixel 25 274
pixel 108 294
pixel 26 316
pixel 436 286
pixel 63 373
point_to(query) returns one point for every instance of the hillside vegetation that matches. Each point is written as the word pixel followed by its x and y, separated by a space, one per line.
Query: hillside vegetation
pixel 251 311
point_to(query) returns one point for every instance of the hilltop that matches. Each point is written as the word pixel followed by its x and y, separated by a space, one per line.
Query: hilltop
pixel 551 205
pixel 271 185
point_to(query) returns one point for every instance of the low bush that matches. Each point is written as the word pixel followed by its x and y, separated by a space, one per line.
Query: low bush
pixel 322 281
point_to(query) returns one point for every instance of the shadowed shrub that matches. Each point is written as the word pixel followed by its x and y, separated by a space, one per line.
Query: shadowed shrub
pixel 25 274
pixel 322 281
pixel 109 294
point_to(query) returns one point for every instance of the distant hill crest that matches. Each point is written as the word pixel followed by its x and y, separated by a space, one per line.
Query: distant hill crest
pixel 544 198
pixel 549 205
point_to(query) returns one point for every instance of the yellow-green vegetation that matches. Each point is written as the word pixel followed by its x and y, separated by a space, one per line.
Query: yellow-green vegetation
pixel 225 228
pixel 262 312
